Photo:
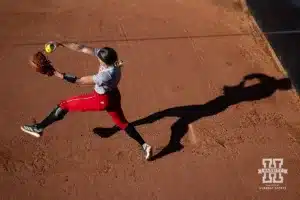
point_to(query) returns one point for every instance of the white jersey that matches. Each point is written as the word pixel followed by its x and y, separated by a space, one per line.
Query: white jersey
pixel 107 78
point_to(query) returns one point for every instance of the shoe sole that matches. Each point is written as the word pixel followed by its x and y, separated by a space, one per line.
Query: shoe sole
pixel 34 134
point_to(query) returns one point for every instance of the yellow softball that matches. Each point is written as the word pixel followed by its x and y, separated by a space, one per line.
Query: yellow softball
pixel 49 47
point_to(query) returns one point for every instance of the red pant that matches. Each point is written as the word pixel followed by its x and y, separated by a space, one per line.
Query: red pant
pixel 111 102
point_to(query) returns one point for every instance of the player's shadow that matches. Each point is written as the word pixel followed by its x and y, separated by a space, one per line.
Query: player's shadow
pixel 190 113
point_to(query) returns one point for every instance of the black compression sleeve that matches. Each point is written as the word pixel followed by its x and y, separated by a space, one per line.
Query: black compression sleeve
pixel 70 78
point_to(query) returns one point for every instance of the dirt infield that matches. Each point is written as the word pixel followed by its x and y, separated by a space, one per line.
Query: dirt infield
pixel 179 55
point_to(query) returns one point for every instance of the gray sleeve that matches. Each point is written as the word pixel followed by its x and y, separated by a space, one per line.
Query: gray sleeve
pixel 101 78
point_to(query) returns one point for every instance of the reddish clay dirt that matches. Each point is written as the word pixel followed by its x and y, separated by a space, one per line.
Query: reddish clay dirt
pixel 179 56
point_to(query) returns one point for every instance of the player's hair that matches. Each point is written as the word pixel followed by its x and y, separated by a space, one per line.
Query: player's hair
pixel 109 56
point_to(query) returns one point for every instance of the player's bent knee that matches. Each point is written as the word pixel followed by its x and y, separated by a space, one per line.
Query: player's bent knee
pixel 121 125
pixel 64 105
pixel 60 112
pixel 119 119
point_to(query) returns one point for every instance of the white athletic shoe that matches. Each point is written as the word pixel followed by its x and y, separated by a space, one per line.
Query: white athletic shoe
pixel 32 130
pixel 147 150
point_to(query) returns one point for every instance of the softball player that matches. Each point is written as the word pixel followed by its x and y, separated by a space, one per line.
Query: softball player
pixel 106 95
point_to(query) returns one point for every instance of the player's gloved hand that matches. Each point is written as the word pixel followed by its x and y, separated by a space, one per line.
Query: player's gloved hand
pixel 42 64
